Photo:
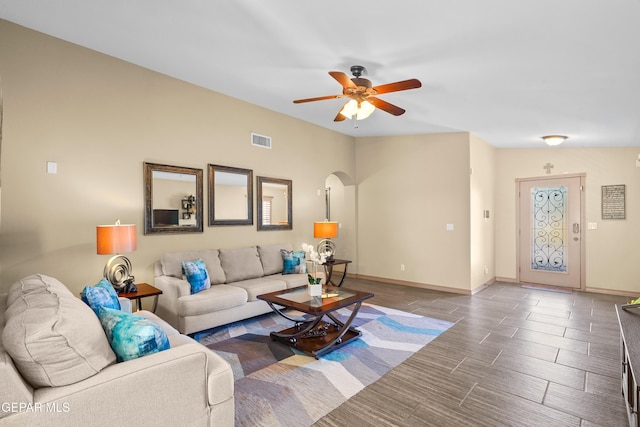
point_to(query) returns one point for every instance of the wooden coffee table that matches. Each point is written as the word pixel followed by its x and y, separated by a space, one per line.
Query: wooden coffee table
pixel 311 334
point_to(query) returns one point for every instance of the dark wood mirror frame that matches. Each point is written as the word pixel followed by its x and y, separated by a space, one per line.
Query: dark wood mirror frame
pixel 153 228
pixel 248 174
pixel 287 183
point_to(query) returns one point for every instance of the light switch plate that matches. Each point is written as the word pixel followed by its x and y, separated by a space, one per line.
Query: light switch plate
pixel 449 227
pixel 52 167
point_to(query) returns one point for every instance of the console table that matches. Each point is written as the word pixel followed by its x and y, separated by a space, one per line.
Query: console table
pixel 629 321
pixel 144 290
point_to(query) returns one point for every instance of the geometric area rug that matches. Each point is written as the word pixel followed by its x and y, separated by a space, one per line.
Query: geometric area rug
pixel 276 385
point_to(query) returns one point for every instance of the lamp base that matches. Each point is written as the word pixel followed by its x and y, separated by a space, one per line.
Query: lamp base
pixel 327 249
pixel 118 272
pixel 128 288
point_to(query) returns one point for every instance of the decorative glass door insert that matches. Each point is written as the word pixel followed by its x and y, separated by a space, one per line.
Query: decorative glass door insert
pixel 549 229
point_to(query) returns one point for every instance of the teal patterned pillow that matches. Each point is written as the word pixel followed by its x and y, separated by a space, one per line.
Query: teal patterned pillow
pixel 293 262
pixel 197 275
pixel 100 295
pixel 131 336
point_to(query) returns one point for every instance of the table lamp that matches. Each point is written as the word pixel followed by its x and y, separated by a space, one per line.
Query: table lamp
pixel 326 230
pixel 117 239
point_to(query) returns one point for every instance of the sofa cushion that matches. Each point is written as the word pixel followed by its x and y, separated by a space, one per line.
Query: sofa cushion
pixel 215 298
pixel 172 263
pixel 53 337
pixel 100 295
pixel 259 286
pixel 292 280
pixel 293 262
pixel 132 336
pixel 197 275
pixel 241 263
pixel 271 257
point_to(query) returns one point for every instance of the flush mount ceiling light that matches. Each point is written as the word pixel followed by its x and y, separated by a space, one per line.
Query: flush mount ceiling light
pixel 554 139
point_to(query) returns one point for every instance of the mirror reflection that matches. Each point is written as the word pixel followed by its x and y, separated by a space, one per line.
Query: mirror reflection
pixel 230 195
pixel 274 204
pixel 173 199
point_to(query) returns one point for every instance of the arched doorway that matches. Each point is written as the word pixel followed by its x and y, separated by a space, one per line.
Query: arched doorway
pixel 341 207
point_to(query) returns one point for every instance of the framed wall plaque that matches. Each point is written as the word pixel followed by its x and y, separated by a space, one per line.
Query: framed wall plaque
pixel 613 201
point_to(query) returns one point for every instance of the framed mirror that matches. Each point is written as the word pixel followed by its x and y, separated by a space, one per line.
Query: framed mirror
pixel 274 199
pixel 172 199
pixel 230 195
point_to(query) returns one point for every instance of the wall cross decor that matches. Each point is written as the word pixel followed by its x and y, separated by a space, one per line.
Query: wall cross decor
pixel 548 167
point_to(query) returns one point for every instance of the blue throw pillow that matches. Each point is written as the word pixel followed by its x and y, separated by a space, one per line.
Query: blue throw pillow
pixel 100 295
pixel 197 275
pixel 293 262
pixel 132 336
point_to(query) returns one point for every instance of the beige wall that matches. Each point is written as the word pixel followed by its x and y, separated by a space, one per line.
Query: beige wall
pixel 612 251
pixel 100 118
pixel 482 198
pixel 409 189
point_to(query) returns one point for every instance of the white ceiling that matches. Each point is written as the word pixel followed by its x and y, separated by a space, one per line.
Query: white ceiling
pixel 509 71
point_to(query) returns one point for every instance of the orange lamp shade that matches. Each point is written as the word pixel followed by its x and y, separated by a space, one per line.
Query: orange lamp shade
pixel 325 229
pixel 115 239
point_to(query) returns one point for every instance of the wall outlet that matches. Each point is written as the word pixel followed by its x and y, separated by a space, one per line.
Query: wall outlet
pixel 486 270
pixel 401 267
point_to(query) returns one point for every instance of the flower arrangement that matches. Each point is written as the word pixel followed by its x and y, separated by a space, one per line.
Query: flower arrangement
pixel 316 258
pixel 312 255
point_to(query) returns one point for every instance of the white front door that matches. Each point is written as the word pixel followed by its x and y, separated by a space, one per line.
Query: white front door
pixel 550 231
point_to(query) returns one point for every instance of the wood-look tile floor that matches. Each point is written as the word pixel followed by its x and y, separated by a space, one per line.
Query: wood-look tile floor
pixel 514 357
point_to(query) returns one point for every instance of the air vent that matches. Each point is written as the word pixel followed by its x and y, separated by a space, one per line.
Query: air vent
pixel 260 140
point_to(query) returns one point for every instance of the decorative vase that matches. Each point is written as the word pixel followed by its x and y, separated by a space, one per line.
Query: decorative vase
pixel 315 290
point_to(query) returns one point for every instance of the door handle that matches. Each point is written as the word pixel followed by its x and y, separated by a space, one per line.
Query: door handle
pixel 576 228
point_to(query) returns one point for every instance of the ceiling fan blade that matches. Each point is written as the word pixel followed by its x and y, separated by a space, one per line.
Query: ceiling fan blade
pixel 385 106
pixel 320 98
pixel 397 86
pixel 339 117
pixel 343 79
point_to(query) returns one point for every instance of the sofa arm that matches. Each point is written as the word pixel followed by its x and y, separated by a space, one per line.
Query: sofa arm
pixel 125 305
pixel 185 385
pixel 172 289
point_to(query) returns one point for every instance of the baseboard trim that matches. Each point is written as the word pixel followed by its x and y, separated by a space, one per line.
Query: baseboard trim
pixel 613 292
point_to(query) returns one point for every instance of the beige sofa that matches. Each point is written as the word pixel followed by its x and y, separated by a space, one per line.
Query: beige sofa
pixel 237 276
pixel 74 380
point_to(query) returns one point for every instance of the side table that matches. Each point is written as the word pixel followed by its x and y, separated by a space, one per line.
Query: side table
pixel 144 290
pixel 328 270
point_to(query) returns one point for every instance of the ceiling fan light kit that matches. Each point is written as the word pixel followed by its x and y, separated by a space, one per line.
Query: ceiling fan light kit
pixel 554 140
pixel 362 94
pixel 361 110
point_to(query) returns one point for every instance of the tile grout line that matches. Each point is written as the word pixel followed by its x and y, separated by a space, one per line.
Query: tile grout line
pixel 497 356
pixel 458 365
pixel 468 393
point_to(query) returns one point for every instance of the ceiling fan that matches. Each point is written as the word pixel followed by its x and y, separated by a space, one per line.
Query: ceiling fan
pixel 362 95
